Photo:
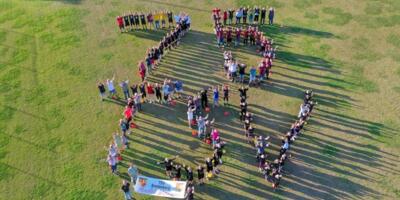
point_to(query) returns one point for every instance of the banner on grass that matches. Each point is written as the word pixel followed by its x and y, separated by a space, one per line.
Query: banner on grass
pixel 159 187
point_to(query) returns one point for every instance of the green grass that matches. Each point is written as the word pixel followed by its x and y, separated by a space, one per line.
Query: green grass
pixel 54 127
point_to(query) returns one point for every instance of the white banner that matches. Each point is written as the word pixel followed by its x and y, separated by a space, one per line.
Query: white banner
pixel 159 187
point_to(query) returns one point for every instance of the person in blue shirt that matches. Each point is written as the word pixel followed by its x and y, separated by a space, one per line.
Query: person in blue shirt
pixel 165 90
pixel 178 88
pixel 215 96
pixel 253 73
pixel 271 15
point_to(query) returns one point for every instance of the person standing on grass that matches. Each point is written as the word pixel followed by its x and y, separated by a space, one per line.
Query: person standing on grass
pixel 142 70
pixel 131 20
pixel 150 19
pixel 243 92
pixel 158 93
pixel 124 126
pixel 271 16
pixel 242 69
pixel 244 16
pixel 209 167
pixel 190 115
pixel 137 22
pixel 225 17
pixel 165 89
pixel 201 124
pixel 239 15
pixel 168 165
pixel 126 21
pixel 156 17
pixel 238 34
pixel 215 96
pixel 133 173
pixel 120 23
pixel 142 88
pixel 102 90
pixel 112 162
pixel 200 174
pixel 170 19
pixel 150 92
pixel 125 88
pixel 138 104
pixel 111 88
pixel 263 15
pixel 226 94
pixel 251 16
pixel 233 70
pixel 253 73
pixel 143 20
pixel 230 16
pixel 178 88
pixel 126 190
pixel 256 14
pixel 189 174
pixel 204 98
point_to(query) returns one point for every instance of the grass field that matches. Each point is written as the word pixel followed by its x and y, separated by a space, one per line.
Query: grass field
pixel 54 128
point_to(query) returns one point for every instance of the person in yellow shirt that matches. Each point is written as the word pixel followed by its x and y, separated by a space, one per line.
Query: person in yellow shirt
pixel 157 19
pixel 163 18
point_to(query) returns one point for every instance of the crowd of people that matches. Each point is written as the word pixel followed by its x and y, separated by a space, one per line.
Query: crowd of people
pixel 273 171
pixel 158 20
pixel 245 15
pixel 236 71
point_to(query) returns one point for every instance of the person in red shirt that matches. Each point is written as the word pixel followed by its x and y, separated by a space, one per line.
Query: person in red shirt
pixel 150 92
pixel 128 114
pixel 142 70
pixel 120 23
pixel 246 37
pixel 225 18
pixel 229 36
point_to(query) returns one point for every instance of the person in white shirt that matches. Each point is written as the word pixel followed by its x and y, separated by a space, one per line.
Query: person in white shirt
pixel 233 70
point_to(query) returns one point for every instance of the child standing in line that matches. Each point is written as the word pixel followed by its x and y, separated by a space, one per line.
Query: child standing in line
pixel 150 92
pixel 157 20
pixel 120 23
pixel 226 94
pixel 150 19
pixel 190 115
pixel 215 96
pixel 158 93
pixel 142 70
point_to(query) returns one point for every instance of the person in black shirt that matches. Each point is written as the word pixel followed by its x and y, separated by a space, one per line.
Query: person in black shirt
pixel 200 174
pixel 143 21
pixel 263 15
pixel 178 174
pixel 245 9
pixel 226 95
pixel 170 20
pixel 209 166
pixel 168 165
pixel 142 88
pixel 126 20
pixel 131 20
pixel 242 68
pixel 189 174
pixel 204 99
pixel 137 23
pixel 126 190
pixel 230 16
pixel 189 192
pixel 158 93
pixel 243 92
pixel 102 90
pixel 271 15
pixel 256 14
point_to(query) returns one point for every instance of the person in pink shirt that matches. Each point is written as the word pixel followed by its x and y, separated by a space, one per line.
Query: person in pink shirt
pixel 214 136
pixel 120 23
pixel 142 70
